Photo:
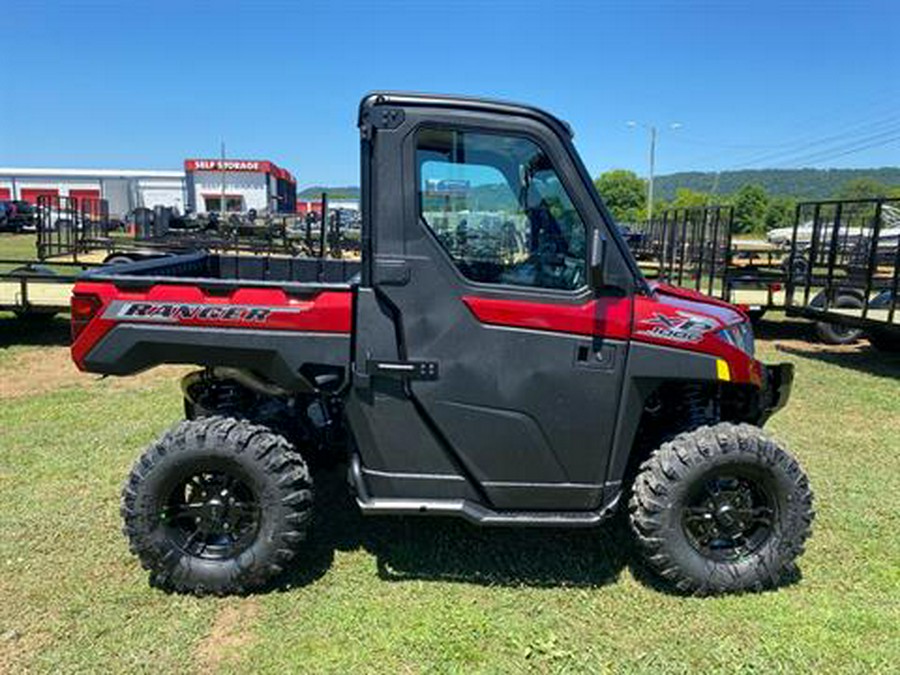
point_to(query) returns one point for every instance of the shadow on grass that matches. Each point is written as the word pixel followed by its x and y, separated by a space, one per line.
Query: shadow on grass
pixel 783 329
pixel 37 331
pixel 865 358
pixel 448 549
pixel 799 336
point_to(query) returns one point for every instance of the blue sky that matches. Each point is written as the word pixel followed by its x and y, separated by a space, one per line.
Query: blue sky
pixel 753 84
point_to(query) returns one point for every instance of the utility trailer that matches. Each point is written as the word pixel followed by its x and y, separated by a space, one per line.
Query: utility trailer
pixel 844 267
pixel 42 287
pixel 495 355
pixel 74 235
pixel 695 248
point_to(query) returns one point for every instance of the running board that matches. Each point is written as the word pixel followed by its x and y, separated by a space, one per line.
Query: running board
pixel 470 511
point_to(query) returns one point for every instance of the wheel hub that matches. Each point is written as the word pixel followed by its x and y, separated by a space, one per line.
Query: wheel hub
pixel 728 516
pixel 213 515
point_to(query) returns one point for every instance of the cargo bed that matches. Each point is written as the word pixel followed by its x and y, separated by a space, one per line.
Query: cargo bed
pixel 281 318
pixel 219 269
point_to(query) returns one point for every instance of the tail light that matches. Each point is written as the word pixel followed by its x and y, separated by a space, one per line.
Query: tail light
pixel 775 287
pixel 84 308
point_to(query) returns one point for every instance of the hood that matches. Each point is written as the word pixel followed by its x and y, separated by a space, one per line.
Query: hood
pixel 693 302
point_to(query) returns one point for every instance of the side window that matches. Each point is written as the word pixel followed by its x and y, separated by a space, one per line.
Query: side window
pixel 497 206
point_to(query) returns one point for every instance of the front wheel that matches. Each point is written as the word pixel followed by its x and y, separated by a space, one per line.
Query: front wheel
pixel 217 505
pixel 721 509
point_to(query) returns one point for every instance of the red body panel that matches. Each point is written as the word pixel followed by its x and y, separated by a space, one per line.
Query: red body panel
pixel 609 317
pixel 670 317
pixel 248 308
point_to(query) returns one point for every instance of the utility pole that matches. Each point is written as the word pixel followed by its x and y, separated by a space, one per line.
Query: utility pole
pixel 652 129
pixel 652 167
pixel 222 203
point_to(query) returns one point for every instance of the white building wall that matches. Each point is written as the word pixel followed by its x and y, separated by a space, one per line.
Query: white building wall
pixel 124 189
pixel 251 186
pixel 61 185
pixel 153 192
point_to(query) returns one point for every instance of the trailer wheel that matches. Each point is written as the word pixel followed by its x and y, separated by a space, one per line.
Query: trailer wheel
pixel 837 334
pixel 721 509
pixel 217 506
pixel 885 340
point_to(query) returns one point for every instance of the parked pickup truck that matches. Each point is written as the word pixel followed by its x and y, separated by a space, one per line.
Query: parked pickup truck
pixel 495 355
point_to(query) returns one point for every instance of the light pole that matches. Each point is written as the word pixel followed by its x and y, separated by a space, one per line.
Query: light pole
pixel 224 177
pixel 652 129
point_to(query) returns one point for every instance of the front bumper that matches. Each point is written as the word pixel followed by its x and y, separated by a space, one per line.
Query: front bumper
pixel 776 388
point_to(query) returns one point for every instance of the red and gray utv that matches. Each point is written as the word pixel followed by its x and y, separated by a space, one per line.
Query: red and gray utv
pixel 495 355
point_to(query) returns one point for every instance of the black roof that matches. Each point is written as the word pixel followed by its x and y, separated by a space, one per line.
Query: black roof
pixel 404 98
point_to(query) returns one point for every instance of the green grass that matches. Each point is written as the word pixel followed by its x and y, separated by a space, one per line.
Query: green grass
pixel 17 247
pixel 421 595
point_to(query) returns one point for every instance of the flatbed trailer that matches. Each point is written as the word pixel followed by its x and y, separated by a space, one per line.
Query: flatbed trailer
pixel 847 271
pixel 76 235
pixel 695 248
pixel 30 289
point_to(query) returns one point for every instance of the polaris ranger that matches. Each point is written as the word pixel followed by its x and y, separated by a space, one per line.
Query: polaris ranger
pixel 494 355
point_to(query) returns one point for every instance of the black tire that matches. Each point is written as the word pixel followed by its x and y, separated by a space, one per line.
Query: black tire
pixel 837 334
pixel 885 340
pixel 257 466
pixel 663 513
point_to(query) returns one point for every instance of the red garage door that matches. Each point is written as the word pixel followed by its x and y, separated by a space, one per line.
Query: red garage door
pixel 5 194
pixel 88 201
pixel 84 194
pixel 31 194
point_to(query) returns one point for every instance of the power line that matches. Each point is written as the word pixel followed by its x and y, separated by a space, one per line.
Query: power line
pixel 860 133
pixel 855 131
pixel 850 151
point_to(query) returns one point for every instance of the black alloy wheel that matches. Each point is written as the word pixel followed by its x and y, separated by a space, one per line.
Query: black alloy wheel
pixel 720 509
pixel 728 516
pixel 213 515
pixel 217 505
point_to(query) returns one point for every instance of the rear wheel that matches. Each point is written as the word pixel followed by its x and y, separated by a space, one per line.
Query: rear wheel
pixel 217 505
pixel 838 334
pixel 721 509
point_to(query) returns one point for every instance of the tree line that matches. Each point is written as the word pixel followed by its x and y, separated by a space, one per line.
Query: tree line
pixel 755 209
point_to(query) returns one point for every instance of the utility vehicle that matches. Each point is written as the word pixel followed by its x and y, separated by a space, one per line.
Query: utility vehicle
pixel 494 355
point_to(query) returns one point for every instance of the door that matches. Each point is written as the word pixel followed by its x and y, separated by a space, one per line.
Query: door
pixel 31 195
pixel 88 201
pixel 525 359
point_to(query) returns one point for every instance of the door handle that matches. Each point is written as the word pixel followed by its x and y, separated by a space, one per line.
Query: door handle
pixel 602 357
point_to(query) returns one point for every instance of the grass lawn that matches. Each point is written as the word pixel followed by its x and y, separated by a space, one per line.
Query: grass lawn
pixel 423 595
pixel 17 247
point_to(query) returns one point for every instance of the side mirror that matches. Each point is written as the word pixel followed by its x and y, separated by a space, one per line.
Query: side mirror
pixel 598 260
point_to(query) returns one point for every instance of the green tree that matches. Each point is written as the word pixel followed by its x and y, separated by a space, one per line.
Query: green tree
pixel 750 204
pixel 624 194
pixel 779 213
pixel 685 198
pixel 862 188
